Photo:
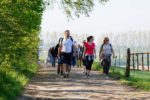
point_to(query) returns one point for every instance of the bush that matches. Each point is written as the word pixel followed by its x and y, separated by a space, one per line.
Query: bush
pixel 19 41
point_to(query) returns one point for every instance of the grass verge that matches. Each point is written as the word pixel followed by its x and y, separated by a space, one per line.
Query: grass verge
pixel 137 79
pixel 13 80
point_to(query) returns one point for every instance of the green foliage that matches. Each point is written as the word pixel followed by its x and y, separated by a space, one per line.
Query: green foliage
pixel 76 7
pixel 19 39
pixel 138 79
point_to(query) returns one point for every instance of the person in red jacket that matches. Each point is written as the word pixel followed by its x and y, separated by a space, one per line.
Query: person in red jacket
pixel 89 54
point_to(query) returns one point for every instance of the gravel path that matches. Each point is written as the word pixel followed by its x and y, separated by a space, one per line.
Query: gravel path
pixel 47 85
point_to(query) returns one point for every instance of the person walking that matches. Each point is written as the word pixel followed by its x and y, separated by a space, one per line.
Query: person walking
pixel 79 56
pixel 53 56
pixel 59 57
pixel 106 50
pixel 67 52
pixel 89 54
pixel 82 58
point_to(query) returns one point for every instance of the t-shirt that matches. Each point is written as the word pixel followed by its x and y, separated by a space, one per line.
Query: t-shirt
pixel 107 49
pixel 89 48
pixel 67 45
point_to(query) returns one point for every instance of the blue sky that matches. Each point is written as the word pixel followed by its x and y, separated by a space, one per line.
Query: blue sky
pixel 114 16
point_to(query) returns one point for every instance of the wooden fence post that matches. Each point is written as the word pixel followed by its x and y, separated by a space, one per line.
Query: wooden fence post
pixel 137 62
pixel 133 62
pixel 127 74
pixel 142 61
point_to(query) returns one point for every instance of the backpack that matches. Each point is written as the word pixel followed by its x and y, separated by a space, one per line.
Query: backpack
pixel 53 52
pixel 55 49
pixel 104 60
pixel 103 45
pixel 72 46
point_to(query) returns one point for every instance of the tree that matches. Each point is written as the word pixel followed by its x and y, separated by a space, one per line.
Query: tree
pixel 75 7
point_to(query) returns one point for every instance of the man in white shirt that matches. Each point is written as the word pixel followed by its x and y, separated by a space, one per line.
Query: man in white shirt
pixel 67 52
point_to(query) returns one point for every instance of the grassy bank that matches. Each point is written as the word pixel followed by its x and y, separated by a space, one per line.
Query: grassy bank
pixel 138 79
pixel 20 28
pixel 13 79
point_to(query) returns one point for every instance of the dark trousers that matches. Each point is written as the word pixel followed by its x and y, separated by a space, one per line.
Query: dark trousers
pixel 106 65
pixel 106 69
pixel 89 61
pixel 53 61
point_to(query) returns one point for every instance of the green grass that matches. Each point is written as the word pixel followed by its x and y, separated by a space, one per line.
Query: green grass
pixel 13 80
pixel 137 79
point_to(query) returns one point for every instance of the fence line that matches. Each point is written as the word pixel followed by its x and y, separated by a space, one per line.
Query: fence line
pixel 135 56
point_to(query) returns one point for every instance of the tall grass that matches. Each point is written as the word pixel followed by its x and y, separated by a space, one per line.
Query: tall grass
pixel 137 79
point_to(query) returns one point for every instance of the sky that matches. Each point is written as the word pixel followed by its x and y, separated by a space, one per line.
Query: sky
pixel 115 16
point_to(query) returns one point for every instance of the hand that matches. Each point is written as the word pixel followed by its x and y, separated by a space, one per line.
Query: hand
pixel 99 58
pixel 114 56
pixel 83 57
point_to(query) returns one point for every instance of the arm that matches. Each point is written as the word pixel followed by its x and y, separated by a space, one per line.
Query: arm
pixel 95 52
pixel 84 49
pixel 100 53
pixel 113 53
pixel 59 50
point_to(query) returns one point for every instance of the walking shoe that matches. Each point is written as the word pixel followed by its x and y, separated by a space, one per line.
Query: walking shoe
pixel 64 75
pixel 61 73
pixel 86 73
pixel 58 71
pixel 106 76
pixel 88 76
pixel 67 75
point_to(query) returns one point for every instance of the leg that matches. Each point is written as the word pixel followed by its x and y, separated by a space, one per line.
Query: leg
pixel 64 64
pixel 61 69
pixel 80 62
pixel 68 61
pixel 107 70
pixel 104 67
pixel 64 69
pixel 84 65
pixel 58 69
pixel 89 67
pixel 54 61
pixel 104 71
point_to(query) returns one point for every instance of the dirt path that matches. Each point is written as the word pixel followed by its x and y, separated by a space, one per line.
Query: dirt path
pixel 47 85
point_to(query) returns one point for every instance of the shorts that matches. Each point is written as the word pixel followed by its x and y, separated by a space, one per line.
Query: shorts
pixel 60 60
pixel 66 58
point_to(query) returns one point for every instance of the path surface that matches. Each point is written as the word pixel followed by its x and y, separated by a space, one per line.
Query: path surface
pixel 47 85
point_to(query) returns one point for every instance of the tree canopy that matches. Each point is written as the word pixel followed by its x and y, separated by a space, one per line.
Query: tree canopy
pixel 75 7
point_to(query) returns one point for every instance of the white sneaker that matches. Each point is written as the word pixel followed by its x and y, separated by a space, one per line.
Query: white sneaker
pixel 88 76
pixel 106 76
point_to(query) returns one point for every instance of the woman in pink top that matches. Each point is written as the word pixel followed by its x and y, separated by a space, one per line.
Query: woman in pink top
pixel 89 54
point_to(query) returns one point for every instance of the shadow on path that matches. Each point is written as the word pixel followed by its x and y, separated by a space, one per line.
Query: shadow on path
pixel 47 85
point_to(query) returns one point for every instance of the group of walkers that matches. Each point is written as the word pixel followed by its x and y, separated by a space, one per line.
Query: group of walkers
pixel 68 54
